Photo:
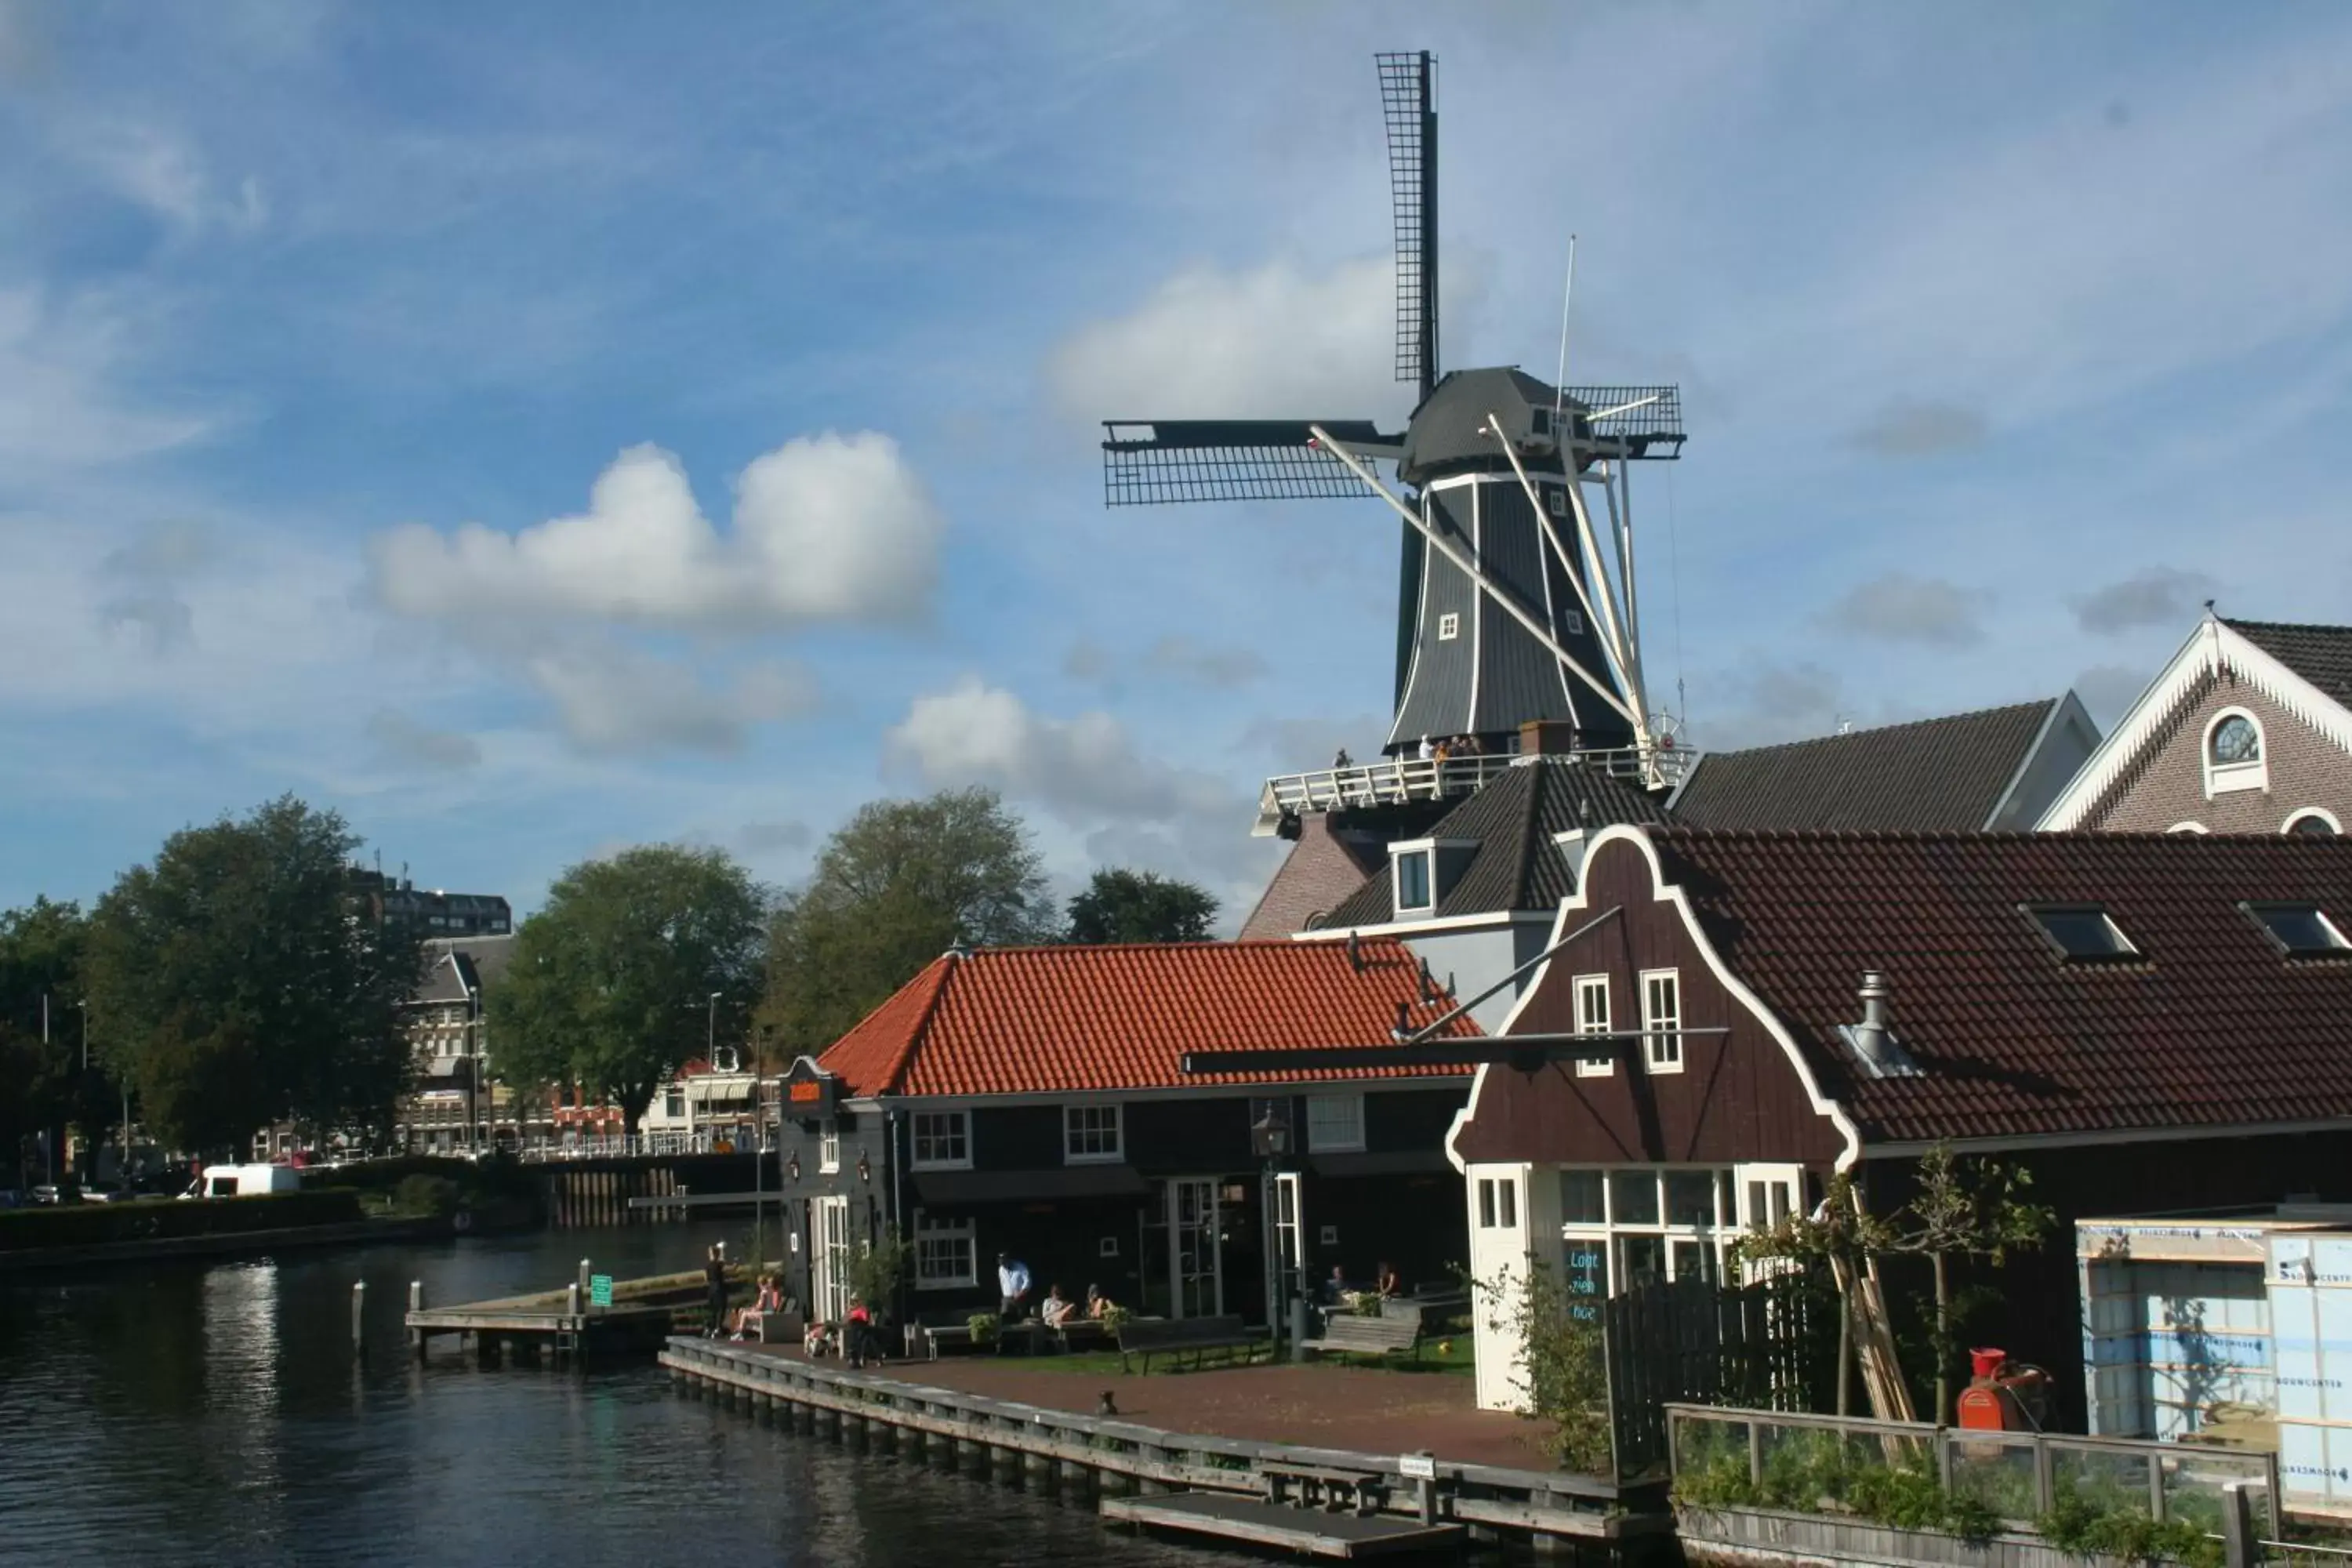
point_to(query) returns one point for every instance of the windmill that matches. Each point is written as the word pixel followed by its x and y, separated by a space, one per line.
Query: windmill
pixel 1515 601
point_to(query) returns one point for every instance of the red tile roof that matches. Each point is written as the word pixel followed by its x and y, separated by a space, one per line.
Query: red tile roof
pixel 1043 1020
pixel 2211 1026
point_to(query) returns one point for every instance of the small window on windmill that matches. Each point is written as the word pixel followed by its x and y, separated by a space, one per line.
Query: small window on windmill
pixel 1558 500
pixel 1574 621
pixel 1449 626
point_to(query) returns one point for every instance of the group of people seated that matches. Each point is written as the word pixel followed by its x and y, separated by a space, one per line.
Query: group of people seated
pixel 745 1324
pixel 1338 1291
pixel 854 1338
pixel 1057 1310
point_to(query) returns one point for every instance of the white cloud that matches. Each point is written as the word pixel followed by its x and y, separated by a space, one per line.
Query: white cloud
pixel 58 408
pixel 827 527
pixel 1272 343
pixel 613 700
pixel 2154 596
pixel 1085 771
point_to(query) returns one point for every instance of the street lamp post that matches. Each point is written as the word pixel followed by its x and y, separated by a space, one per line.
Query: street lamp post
pixel 1270 1139
pixel 709 1062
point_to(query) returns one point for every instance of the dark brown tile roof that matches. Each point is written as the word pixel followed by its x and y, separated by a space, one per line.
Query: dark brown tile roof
pixel 2321 655
pixel 1512 819
pixel 2211 1026
pixel 1936 775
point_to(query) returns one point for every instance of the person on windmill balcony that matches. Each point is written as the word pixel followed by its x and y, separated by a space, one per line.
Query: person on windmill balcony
pixel 1427 751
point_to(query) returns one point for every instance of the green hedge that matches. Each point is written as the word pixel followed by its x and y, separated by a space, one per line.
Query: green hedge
pixel 85 1225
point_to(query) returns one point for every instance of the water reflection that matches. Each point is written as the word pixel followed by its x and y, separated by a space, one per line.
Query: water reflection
pixel 192 1415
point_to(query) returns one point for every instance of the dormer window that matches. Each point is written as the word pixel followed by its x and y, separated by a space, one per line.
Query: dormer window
pixel 2300 931
pixel 1421 871
pixel 2082 934
pixel 2235 757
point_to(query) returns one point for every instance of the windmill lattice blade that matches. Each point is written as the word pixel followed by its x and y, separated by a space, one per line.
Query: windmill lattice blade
pixel 1413 190
pixel 1148 464
pixel 1644 417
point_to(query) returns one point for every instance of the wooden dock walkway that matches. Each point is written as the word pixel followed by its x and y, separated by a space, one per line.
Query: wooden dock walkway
pixel 1304 1531
pixel 565 1323
pixel 1107 1456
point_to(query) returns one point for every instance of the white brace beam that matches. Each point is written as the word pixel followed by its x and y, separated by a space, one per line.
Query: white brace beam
pixel 1470 569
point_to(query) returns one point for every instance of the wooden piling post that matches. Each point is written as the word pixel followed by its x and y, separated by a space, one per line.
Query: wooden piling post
pixel 359 1318
pixel 416 1304
pixel 586 1268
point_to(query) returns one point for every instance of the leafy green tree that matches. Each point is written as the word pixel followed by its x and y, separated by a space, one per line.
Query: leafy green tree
pixel 611 983
pixel 237 981
pixel 1120 905
pixel 43 1085
pixel 899 884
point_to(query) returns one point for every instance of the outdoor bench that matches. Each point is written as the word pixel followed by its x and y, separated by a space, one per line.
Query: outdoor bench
pixel 1365 1336
pixel 1174 1336
pixel 1362 1491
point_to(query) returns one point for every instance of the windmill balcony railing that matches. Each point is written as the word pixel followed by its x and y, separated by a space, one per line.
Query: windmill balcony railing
pixel 1393 780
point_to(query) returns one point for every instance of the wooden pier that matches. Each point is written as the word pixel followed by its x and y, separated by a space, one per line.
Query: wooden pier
pixel 1331 1503
pixel 567 1324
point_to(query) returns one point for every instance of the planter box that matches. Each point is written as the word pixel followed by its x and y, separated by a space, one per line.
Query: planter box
pixel 1763 1535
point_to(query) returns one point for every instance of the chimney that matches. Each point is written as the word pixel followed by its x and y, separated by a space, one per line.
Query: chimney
pixel 1404 1021
pixel 1355 953
pixel 1870 1039
pixel 1428 985
pixel 1547 738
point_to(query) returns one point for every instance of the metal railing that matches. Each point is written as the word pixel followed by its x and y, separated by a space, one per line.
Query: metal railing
pixel 2305 1554
pixel 2019 1476
pixel 701 1140
pixel 1395 780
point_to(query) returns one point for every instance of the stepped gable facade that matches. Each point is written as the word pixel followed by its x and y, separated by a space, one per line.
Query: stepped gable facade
pixel 2248 729
pixel 2141 1021
pixel 1994 769
pixel 1033 1101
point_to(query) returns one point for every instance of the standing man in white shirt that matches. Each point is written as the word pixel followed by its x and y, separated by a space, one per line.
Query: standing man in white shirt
pixel 1011 1286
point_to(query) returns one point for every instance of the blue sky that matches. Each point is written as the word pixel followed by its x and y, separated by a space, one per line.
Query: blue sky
pixel 539 428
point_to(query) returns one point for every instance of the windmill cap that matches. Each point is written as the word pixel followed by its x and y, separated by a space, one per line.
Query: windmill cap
pixel 1452 430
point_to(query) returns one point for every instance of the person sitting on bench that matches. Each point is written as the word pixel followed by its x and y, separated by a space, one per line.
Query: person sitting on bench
pixel 1337 1291
pixel 1057 1308
pixel 770 1299
pixel 1389 1283
pixel 1098 1304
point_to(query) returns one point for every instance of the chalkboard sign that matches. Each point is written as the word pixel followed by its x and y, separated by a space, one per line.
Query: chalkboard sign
pixel 600 1289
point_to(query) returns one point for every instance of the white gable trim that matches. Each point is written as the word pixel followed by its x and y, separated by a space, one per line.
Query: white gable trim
pixel 2210 649
pixel 1664 893
pixel 2061 707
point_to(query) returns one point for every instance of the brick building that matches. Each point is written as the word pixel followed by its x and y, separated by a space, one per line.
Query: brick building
pixel 2247 730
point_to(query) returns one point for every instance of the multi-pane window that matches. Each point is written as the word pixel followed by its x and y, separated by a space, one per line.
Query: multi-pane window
pixel 1662 1020
pixel 1335 1122
pixel 942 1139
pixel 828 1146
pixel 1633 1226
pixel 1592 1018
pixel 1499 1203
pixel 1090 1132
pixel 946 1253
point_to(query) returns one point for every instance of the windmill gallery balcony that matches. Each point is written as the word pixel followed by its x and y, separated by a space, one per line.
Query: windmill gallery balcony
pixel 1393 780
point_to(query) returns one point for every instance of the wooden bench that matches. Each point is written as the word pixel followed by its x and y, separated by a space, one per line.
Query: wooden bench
pixel 1174 1336
pixel 1360 1492
pixel 1365 1336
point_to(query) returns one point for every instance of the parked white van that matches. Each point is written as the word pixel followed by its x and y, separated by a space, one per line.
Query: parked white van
pixel 245 1181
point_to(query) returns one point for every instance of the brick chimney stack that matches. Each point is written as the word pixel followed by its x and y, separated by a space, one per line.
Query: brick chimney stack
pixel 1547 738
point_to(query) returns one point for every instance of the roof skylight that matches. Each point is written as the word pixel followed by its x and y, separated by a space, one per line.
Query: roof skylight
pixel 2301 930
pixel 2082 932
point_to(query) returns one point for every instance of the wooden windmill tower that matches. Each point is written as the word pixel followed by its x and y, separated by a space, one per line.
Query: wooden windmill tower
pixel 1517 595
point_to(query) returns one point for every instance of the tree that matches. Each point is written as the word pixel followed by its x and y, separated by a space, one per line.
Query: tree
pixel 41 1031
pixel 1119 905
pixel 611 983
pixel 899 884
pixel 239 980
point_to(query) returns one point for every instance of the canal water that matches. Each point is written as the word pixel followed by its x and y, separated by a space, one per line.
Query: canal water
pixel 197 1414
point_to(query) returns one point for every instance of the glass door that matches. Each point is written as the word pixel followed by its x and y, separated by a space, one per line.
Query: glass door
pixel 1195 1258
pixel 1289 1229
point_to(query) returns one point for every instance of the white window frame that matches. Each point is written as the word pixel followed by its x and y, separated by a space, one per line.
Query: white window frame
pixel 828 1146
pixel 1449 625
pixel 2192 825
pixel 1610 1233
pixel 1427 854
pixel 1073 1134
pixel 2224 778
pixel 1345 1142
pixel 917 1136
pixel 941 1233
pixel 1594 1021
pixel 1662 1041
pixel 1499 1203
pixel 2309 813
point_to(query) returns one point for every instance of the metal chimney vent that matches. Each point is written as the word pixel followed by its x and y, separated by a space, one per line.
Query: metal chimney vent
pixel 1872 1040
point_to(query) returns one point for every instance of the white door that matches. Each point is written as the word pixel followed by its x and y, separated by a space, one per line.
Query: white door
pixel 831 1259
pixel 1196 1260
